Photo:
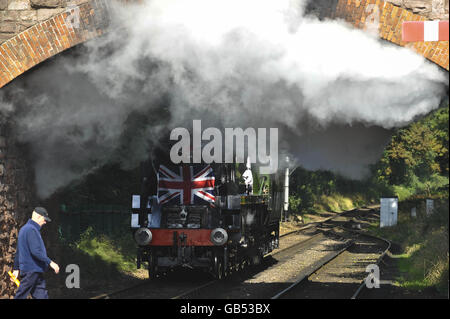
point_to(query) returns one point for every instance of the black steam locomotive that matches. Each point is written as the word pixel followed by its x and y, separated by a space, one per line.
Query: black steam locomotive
pixel 199 216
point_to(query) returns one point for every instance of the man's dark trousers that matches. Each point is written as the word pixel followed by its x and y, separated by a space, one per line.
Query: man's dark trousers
pixel 34 283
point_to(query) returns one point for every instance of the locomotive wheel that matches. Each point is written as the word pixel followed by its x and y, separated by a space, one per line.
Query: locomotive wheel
pixel 226 273
pixel 256 259
pixel 152 268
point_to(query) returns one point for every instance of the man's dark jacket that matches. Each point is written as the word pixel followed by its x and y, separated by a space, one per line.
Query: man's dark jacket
pixel 31 255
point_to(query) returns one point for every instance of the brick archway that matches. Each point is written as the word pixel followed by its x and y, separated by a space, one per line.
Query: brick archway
pixel 48 38
pixel 363 13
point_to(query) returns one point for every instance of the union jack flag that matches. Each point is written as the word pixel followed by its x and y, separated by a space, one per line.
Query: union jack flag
pixel 190 185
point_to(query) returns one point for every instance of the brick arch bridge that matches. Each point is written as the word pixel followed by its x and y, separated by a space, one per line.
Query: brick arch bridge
pixel 43 39
pixel 60 32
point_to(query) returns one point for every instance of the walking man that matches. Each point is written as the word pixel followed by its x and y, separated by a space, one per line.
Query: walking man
pixel 31 257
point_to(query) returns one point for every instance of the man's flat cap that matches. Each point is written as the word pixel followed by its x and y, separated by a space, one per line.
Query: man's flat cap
pixel 43 212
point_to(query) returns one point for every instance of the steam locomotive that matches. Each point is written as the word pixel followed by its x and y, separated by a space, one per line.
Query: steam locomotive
pixel 199 216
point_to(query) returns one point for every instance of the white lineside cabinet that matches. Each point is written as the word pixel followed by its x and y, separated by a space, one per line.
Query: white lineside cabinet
pixel 388 211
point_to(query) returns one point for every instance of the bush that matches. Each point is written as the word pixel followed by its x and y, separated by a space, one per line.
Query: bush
pixel 118 252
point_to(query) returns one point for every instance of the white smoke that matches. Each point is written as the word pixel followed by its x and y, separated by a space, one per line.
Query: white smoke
pixel 254 63
pixel 257 58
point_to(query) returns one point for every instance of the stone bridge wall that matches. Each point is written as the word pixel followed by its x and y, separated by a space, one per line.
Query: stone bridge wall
pixel 16 196
pixel 430 9
pixel 18 15
pixel 386 19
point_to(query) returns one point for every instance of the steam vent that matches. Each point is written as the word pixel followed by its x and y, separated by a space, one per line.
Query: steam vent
pixel 32 31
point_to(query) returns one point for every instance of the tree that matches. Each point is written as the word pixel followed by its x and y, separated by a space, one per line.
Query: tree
pixel 419 150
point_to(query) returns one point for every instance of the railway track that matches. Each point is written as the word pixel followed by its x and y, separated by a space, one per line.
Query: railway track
pixel 120 291
pixel 310 270
pixel 209 288
pixel 363 282
pixel 192 292
pixel 161 287
pixel 306 272
pixel 318 224
pixel 290 292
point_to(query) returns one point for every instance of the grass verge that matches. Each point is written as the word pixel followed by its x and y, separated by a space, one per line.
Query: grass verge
pixel 119 252
pixel 424 258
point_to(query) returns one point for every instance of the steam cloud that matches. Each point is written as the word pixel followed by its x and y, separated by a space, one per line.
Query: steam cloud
pixel 334 92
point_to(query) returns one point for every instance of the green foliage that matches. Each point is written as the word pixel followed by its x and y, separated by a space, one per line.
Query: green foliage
pixel 403 192
pixel 416 160
pixel 324 191
pixel 416 153
pixel 414 163
pixel 295 203
pixel 118 252
pixel 116 188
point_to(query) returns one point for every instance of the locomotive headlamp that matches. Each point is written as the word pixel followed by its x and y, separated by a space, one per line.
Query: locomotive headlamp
pixel 143 236
pixel 219 236
pixel 183 213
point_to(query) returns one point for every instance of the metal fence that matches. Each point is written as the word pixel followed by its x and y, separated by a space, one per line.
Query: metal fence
pixel 103 219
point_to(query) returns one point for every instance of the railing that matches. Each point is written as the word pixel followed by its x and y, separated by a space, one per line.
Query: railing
pixel 103 219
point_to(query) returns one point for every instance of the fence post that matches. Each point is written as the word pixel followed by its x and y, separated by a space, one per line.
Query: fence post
pixel 413 211
pixel 429 206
